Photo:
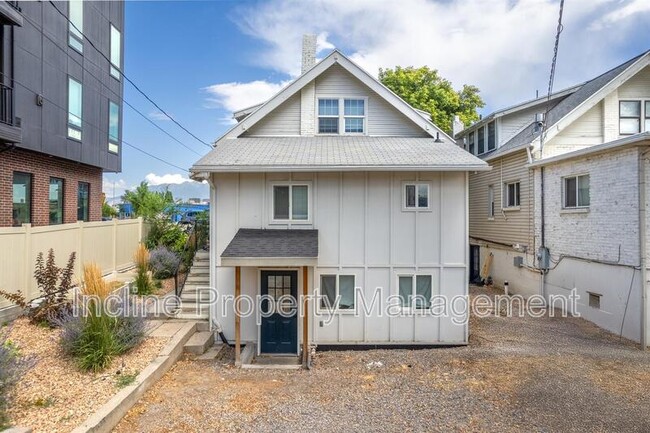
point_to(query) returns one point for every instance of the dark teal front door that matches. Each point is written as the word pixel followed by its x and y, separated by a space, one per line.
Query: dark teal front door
pixel 279 333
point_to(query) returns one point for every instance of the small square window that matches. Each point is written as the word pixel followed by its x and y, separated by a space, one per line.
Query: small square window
pixel 337 289
pixel 594 300
pixel 576 191
pixel 415 291
pixel 416 196
pixel 291 202
pixel 629 117
pixel 328 125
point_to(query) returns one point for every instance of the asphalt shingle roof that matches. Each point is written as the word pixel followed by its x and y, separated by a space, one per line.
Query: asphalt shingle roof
pixel 562 108
pixel 336 152
pixel 257 243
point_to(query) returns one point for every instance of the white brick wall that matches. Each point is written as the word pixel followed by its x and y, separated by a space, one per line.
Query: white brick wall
pixel 308 109
pixel 610 117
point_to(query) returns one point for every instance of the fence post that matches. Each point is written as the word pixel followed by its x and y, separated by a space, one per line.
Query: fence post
pixel 26 265
pixel 140 224
pixel 114 246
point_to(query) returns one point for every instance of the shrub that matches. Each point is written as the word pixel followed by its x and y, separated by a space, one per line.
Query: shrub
pixel 164 232
pixel 12 367
pixel 163 262
pixel 53 283
pixel 143 284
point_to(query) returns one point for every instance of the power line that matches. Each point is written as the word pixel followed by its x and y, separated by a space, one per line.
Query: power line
pixel 128 79
pixel 153 156
pixel 144 116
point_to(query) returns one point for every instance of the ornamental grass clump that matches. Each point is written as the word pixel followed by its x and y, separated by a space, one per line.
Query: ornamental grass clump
pixel 142 283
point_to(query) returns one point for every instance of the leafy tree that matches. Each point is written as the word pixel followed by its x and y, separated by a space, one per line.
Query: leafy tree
pixel 426 90
pixel 108 211
pixel 147 203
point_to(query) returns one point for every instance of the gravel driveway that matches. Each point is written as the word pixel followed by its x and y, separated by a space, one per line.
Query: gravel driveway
pixel 547 374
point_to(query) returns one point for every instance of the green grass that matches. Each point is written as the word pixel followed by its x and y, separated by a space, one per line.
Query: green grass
pixel 123 380
pixel 43 402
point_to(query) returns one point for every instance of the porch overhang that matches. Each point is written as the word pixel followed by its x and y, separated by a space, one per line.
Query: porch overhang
pixel 272 248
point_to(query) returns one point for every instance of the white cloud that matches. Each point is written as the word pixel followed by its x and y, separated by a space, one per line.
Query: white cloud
pixel 175 178
pixel 502 46
pixel 116 185
pixel 157 115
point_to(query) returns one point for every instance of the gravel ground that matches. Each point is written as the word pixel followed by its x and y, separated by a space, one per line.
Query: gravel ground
pixel 547 374
pixel 54 395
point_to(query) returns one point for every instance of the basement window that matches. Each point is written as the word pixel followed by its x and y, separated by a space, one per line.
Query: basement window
pixel 594 300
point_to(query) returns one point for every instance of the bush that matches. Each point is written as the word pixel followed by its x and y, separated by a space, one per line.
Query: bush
pixel 53 283
pixel 163 262
pixel 164 232
pixel 143 284
pixel 12 367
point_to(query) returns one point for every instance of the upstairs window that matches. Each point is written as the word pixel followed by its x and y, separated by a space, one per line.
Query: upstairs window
pixel 630 117
pixel 74 108
pixel 492 136
pixel 647 115
pixel 76 24
pixel 470 142
pixel 481 140
pixel 290 202
pixel 416 196
pixel 113 127
pixel 576 191
pixel 511 194
pixel 341 116
pixel 116 52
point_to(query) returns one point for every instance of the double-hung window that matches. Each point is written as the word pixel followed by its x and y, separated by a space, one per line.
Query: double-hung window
pixel 416 196
pixel 470 141
pixel 76 24
pixel 576 191
pixel 415 291
pixel 291 202
pixel 83 201
pixel 116 52
pixel 22 199
pixel 481 140
pixel 511 194
pixel 337 288
pixel 630 117
pixel 75 108
pixel 491 136
pixel 113 127
pixel 341 116
pixel 56 200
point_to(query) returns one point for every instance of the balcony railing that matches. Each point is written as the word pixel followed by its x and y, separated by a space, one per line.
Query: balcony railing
pixel 7 105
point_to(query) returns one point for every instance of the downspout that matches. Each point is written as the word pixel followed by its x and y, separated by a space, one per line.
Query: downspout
pixel 643 250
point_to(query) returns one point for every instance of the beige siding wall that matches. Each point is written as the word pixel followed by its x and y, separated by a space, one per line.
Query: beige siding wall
pixel 508 226
pixel 383 119
pixel 283 121
pixel 636 87
pixel 586 131
pixel 510 125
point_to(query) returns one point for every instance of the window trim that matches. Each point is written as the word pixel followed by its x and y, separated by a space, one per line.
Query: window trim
pixel 341 116
pixel 62 199
pixel 87 216
pixel 70 126
pixel 291 221
pixel 31 196
pixel 337 276
pixel 417 207
pixel 72 31
pixel 506 195
pixel 577 207
pixel 640 117
pixel 413 277
pixel 116 142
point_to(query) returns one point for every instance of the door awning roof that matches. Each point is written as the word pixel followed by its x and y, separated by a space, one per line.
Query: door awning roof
pixel 260 247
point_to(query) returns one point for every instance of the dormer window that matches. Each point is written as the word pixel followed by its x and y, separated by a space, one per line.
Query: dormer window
pixel 341 116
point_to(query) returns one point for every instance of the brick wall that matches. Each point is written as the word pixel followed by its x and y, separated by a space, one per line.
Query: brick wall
pixel 42 167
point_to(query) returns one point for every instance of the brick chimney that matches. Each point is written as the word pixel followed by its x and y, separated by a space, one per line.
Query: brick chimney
pixel 456 126
pixel 308 52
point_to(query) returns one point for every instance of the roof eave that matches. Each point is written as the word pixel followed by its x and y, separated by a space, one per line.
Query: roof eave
pixel 334 168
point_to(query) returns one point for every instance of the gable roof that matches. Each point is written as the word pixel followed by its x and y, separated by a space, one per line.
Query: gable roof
pixel 337 153
pixel 587 95
pixel 335 57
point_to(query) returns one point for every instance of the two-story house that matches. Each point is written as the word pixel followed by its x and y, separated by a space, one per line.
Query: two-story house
pixel 564 205
pixel 337 189
pixel 60 108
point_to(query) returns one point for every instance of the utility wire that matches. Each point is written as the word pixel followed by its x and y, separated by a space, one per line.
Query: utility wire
pixel 128 79
pixel 551 78
pixel 144 116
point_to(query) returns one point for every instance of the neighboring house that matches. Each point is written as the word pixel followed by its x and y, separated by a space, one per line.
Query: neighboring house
pixel 333 184
pixel 593 223
pixel 60 112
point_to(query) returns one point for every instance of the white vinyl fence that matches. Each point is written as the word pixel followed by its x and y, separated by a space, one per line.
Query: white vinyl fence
pixel 110 244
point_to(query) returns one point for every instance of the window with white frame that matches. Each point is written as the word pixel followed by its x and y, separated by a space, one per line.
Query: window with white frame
pixel 470 141
pixel 481 140
pixel 76 24
pixel 341 116
pixel 416 196
pixel 511 194
pixel 576 191
pixel 629 117
pixel 415 291
pixel 647 115
pixel 491 201
pixel 116 52
pixel 75 108
pixel 491 136
pixel 337 288
pixel 291 202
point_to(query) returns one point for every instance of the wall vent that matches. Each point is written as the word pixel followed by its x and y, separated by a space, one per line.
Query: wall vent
pixel 594 300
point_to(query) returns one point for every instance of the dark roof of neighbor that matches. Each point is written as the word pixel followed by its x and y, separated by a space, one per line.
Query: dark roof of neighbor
pixel 273 243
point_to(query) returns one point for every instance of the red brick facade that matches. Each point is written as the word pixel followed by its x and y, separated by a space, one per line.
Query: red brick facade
pixel 42 167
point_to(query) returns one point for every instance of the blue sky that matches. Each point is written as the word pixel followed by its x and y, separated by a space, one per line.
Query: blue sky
pixel 199 60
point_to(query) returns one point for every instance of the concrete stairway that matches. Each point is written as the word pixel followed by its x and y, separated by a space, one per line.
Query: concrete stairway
pixel 195 297
pixel 201 341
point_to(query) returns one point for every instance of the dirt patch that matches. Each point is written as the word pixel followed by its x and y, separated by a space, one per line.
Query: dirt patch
pixel 55 395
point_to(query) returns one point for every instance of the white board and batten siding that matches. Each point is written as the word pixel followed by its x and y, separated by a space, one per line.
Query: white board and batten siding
pixel 363 231
pixel 382 118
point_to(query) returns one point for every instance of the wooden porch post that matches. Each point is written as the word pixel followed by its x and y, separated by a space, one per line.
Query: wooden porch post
pixel 305 318
pixel 237 317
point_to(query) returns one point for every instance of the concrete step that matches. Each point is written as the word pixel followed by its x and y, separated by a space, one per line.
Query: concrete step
pixel 191 299
pixel 202 280
pixel 199 342
pixel 199 271
pixel 190 316
pixel 194 308
pixel 201 264
pixel 202 255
